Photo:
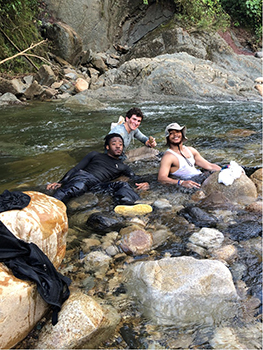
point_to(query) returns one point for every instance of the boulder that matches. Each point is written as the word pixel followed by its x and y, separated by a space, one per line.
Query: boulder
pixel 256 177
pixel 182 291
pixel 44 222
pixel 243 191
pixel 45 75
pixel 83 324
pixel 81 85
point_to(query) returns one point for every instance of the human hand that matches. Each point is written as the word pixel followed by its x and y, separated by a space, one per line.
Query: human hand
pixel 151 142
pixel 143 186
pixel 53 186
pixel 189 184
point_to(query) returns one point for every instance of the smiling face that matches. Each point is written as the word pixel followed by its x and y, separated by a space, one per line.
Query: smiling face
pixel 133 122
pixel 115 147
pixel 175 137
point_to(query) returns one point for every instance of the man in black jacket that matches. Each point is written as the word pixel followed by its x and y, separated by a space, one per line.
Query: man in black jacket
pixel 96 171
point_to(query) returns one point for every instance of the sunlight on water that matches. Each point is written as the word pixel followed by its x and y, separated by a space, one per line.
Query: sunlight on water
pixel 38 138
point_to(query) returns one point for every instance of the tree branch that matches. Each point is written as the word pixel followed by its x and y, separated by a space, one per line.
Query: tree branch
pixel 22 52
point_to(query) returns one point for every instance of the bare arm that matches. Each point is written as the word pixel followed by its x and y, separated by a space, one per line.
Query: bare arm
pixel 163 176
pixel 202 162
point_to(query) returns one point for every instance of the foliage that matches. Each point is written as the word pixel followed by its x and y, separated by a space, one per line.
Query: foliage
pixel 246 13
pixel 203 14
pixel 18 31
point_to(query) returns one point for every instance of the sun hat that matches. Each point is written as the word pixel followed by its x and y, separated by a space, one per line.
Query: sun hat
pixel 175 126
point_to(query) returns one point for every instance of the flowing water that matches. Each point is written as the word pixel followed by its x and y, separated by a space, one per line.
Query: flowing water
pixel 39 142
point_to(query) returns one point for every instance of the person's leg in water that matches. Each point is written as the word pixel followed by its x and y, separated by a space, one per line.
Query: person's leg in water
pixel 121 191
pixel 80 183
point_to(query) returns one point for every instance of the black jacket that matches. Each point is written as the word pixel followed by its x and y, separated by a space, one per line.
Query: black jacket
pixel 28 262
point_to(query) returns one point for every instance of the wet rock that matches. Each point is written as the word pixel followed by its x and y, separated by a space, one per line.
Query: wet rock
pixel 136 242
pixel 225 338
pixel 98 263
pixel 215 200
pixel 141 153
pixel 162 204
pixel 33 91
pixel 89 104
pixel 245 230
pixel 87 200
pixel 226 253
pixel 207 238
pixel 83 323
pixel 182 291
pixel 103 223
pixel 256 177
pixel 43 222
pixel 242 191
pixel 255 207
pixel 198 216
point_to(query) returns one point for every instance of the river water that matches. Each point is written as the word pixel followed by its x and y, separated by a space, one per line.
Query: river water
pixel 41 141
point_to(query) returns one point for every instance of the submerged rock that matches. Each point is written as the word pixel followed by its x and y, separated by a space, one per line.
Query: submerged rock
pixel 182 291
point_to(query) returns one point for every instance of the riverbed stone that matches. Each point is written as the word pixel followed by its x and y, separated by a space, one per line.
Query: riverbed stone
pixel 83 324
pixel 182 291
pixel 243 191
pixel 43 222
pixel 256 177
pixel 136 242
pixel 208 238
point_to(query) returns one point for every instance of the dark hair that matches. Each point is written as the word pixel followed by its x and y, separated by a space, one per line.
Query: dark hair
pixel 135 111
pixel 108 137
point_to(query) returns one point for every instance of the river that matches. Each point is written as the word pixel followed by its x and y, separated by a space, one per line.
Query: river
pixel 42 140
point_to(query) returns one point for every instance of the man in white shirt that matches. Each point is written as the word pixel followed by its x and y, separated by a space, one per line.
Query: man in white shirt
pixel 180 160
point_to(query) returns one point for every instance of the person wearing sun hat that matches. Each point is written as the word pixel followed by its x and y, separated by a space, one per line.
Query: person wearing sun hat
pixel 180 160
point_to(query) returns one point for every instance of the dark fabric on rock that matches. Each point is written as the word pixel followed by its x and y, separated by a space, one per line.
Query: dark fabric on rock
pixel 28 262
pixel 13 200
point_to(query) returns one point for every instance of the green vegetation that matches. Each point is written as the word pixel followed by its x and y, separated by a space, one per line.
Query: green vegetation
pixel 245 13
pixel 202 14
pixel 18 31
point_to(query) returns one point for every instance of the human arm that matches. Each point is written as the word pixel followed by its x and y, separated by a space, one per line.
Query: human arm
pixel 53 186
pixel 167 162
pixel 202 162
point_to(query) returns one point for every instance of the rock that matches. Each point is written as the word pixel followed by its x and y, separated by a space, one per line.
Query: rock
pixel 34 90
pixel 133 210
pixel 136 242
pixel 87 200
pixel 226 253
pixel 87 103
pixel 242 191
pixel 9 99
pixel 44 222
pixel 141 153
pixel 182 291
pixel 14 86
pixel 81 85
pixel 255 207
pixel 66 42
pixel 259 87
pixel 45 75
pixel 103 223
pixel 83 324
pixel 198 216
pixel 256 177
pixel 207 238
pixel 98 263
pixel 245 230
pixel 162 203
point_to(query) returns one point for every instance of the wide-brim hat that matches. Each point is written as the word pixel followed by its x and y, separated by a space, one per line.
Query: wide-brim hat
pixel 175 126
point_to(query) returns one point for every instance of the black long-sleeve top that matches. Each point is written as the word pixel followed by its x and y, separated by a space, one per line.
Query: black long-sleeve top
pixel 102 166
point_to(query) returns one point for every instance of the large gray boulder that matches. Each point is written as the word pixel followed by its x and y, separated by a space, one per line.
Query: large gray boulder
pixel 243 190
pixel 182 291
